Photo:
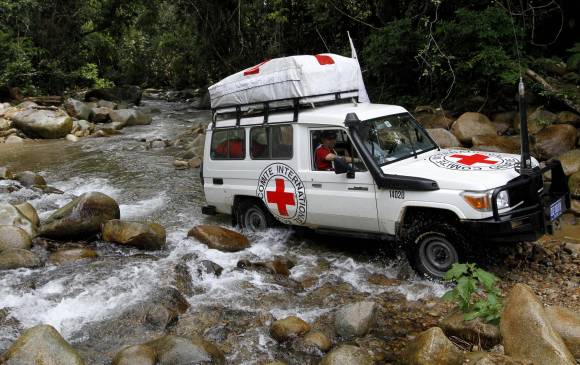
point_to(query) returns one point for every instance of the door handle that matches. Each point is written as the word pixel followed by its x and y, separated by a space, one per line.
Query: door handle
pixel 316 185
pixel 359 188
pixel 218 181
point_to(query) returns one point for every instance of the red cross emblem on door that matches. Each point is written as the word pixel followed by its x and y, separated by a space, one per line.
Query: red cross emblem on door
pixel 473 159
pixel 280 197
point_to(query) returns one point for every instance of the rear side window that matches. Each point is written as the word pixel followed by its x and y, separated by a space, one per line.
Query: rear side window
pixel 228 144
pixel 274 142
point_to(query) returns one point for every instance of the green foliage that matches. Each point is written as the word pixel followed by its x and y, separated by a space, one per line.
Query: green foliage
pixel 574 59
pixel 476 292
pixel 90 73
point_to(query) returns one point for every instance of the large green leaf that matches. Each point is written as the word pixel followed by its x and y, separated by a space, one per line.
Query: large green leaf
pixel 456 272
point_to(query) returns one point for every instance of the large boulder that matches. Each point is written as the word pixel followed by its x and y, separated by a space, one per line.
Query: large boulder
pixel 128 94
pixel 537 120
pixel 43 123
pixel 143 235
pixel 470 125
pixel 434 121
pixel 432 347
pixel 101 115
pixel 444 138
pixel 65 256
pixel 14 237
pixel 41 345
pixel 81 217
pixel 288 328
pixel 554 140
pixel 347 354
pixel 355 320
pixel 219 238
pixel 474 331
pixel 567 324
pixel 498 143
pixel 527 332
pixel 570 161
pixel 11 216
pixel 77 109
pixel 15 258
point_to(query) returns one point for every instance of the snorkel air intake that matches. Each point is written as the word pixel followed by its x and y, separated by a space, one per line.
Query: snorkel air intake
pixel 526 160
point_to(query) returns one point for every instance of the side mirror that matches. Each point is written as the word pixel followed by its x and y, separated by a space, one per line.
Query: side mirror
pixel 341 167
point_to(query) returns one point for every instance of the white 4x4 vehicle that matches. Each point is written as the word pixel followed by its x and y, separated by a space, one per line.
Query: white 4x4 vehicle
pixel 260 166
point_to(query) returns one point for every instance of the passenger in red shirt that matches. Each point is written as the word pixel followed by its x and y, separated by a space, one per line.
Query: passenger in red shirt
pixel 235 147
pixel 325 155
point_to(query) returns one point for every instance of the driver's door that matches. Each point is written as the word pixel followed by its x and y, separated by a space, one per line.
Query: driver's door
pixel 335 201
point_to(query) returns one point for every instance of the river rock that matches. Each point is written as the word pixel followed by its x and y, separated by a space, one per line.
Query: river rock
pixel 355 320
pixel 570 161
pixel 29 178
pixel 127 93
pixel 318 340
pixel 77 109
pixel 14 237
pixel 11 216
pixel 474 331
pixel 288 328
pixel 501 143
pixel 5 124
pixel 527 332
pixel 219 238
pixel 143 235
pixel 27 105
pixel 444 138
pixel 15 258
pixel 197 146
pixel 209 267
pixel 101 115
pixel 81 217
pixel 170 298
pixel 12 139
pixel 159 316
pixel 107 104
pixel 567 117
pixel 435 121
pixel 567 324
pixel 41 345
pixel 139 118
pixel 347 354
pixel 487 358
pixel 537 120
pixel 173 350
pixel 554 140
pixel 432 347
pixel 43 123
pixel 135 355
pixel 61 257
pixel 72 138
pixel 472 124
pixel 5 174
pixel 574 185
pixel 503 121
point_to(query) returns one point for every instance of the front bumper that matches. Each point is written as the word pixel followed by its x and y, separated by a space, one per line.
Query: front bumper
pixel 532 218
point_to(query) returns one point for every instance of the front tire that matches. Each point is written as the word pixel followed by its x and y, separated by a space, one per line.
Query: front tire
pixel 252 216
pixel 433 247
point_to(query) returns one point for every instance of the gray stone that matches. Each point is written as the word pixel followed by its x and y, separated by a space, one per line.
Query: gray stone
pixel 469 125
pixel 29 178
pixel 432 347
pixel 355 320
pixel 15 258
pixel 11 216
pixel 347 355
pixel 77 109
pixel 444 138
pixel 147 236
pixel 43 123
pixel 14 237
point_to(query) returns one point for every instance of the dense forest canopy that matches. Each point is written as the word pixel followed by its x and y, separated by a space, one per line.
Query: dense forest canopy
pixel 411 51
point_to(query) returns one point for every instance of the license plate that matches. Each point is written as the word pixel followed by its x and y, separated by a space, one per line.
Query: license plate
pixel 556 209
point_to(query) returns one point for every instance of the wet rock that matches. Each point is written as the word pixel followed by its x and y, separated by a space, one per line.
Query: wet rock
pixel 129 93
pixel 316 340
pixel 288 328
pixel 48 189
pixel 182 279
pixel 72 138
pixel 347 354
pixel 570 161
pixel 219 238
pixel 486 358
pixel 139 118
pixel 554 140
pixel 13 139
pixel 171 299
pixel 355 320
pixel 27 210
pixel 135 355
pixel 173 350
pixel 41 345
pixel 43 123
pixel 567 117
pixel 181 164
pixel 527 332
pixel 29 178
pixel 143 235
pixel 77 109
pixel 194 162
pixel 81 217
pixel 159 316
pixel 474 331
pixel 276 363
pixel 276 266
pixel 209 267
pixel 61 257
pixel 11 216
pixel 444 138
pixel 378 279
pixel 15 258
pixel 567 324
pixel 470 125
pixel 82 126
pixel 197 146
pixel 5 174
pixel 14 237
pixel 432 347
pixel 501 144
pixel 130 117
pixel 100 115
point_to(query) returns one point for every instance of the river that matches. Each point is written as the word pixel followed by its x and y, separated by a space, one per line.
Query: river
pixel 85 300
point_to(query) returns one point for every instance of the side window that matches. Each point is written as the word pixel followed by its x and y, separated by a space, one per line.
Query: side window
pixel 228 144
pixel 337 142
pixel 271 142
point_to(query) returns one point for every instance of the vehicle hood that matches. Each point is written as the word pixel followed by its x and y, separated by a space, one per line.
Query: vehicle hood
pixel 459 169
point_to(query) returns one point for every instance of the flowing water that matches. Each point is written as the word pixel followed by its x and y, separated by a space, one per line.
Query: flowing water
pixel 84 300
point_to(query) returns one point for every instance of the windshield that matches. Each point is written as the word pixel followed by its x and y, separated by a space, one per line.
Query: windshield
pixel 394 137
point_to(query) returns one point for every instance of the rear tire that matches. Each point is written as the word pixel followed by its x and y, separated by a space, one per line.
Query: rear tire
pixel 252 215
pixel 433 247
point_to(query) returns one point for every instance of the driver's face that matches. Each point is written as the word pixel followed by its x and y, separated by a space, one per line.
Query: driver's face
pixel 329 142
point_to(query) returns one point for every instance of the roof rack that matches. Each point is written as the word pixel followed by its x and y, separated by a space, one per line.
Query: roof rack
pixel 266 108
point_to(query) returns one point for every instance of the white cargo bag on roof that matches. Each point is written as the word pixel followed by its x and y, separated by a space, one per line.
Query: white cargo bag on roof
pixel 286 78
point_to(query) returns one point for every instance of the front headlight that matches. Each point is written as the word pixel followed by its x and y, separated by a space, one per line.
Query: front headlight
pixel 481 200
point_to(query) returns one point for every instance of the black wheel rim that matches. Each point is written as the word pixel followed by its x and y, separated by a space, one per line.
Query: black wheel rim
pixel 255 219
pixel 437 255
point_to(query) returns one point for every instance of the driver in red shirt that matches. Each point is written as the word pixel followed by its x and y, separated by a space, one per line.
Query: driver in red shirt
pixel 325 155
